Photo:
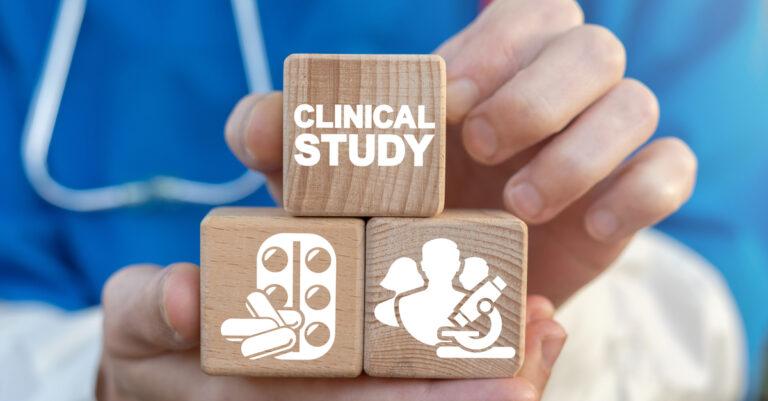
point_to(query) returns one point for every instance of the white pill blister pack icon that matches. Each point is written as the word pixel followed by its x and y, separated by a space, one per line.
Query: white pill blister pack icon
pixel 293 310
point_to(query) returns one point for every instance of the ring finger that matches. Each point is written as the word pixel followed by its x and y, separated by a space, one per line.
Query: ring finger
pixel 542 99
pixel 584 154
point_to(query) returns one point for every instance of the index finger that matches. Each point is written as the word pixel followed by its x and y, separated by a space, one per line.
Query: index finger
pixel 506 37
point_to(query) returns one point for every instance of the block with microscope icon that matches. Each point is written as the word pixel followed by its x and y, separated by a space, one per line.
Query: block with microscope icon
pixel 445 296
pixel 281 296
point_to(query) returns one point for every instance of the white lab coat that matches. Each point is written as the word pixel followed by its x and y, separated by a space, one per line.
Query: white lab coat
pixel 659 325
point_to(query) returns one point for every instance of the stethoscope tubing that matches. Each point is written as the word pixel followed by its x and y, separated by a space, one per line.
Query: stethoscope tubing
pixel 46 101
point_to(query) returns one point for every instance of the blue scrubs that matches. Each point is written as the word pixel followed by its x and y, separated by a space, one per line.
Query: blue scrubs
pixel 152 83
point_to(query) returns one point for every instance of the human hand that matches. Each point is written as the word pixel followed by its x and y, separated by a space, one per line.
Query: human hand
pixel 151 352
pixel 541 123
pixel 538 108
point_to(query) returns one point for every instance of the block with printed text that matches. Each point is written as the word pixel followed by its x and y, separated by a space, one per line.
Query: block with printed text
pixel 364 135
pixel 445 296
pixel 280 295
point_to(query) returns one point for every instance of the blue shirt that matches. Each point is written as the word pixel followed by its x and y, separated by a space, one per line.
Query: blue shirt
pixel 152 83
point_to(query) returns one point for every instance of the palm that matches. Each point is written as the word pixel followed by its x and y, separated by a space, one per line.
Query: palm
pixel 562 256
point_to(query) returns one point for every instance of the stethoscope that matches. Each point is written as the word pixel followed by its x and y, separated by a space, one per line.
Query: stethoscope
pixel 44 108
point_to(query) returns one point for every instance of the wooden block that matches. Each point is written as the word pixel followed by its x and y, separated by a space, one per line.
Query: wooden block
pixel 364 135
pixel 280 295
pixel 445 296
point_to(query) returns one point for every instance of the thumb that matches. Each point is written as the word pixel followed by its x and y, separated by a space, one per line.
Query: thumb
pixel 149 310
pixel 545 339
pixel 254 132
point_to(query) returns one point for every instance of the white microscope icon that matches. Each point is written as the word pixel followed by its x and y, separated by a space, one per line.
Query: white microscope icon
pixel 436 313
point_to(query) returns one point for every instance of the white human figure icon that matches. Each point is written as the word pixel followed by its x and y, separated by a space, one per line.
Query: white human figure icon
pixel 424 312
pixel 475 271
pixel 435 312
pixel 403 275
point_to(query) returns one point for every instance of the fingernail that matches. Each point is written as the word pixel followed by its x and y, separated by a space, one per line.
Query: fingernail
pixel 178 339
pixel 238 126
pixel 526 200
pixel 248 120
pixel 461 95
pixel 550 350
pixel 482 142
pixel 602 224
pixel 249 153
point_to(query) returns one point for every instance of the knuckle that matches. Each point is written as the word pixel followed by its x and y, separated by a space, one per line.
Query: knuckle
pixel 642 104
pixel 603 48
pixel 568 11
pixel 571 11
pixel 579 174
pixel 662 197
pixel 682 154
pixel 510 59
pixel 654 198
pixel 491 71
pixel 532 114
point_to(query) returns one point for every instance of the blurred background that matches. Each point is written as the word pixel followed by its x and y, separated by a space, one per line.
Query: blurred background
pixel 150 85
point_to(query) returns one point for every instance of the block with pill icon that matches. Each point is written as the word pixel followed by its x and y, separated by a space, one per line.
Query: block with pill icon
pixel 364 135
pixel 280 295
pixel 445 296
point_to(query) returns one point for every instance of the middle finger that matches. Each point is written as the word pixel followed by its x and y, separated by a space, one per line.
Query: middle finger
pixel 584 153
pixel 569 75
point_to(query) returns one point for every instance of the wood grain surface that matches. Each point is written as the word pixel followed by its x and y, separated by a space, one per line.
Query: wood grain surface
pixel 497 237
pixel 230 240
pixel 346 189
